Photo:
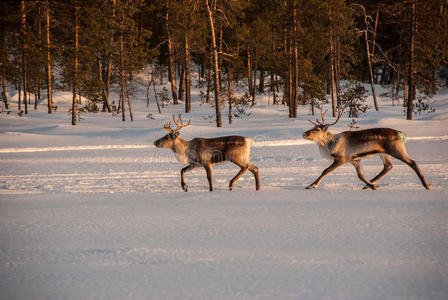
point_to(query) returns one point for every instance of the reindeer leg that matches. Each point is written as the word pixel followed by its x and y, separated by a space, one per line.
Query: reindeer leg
pixel 402 155
pixel 208 169
pixel 361 176
pixel 387 167
pixel 336 163
pixel 182 179
pixel 254 171
pixel 244 168
pixel 415 167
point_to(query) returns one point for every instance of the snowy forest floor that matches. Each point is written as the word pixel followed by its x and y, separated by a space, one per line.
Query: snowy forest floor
pixel 95 211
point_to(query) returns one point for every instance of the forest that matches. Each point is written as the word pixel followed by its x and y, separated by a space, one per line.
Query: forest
pixel 301 52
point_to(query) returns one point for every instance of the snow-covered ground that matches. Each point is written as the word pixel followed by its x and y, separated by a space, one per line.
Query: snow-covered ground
pixel 94 211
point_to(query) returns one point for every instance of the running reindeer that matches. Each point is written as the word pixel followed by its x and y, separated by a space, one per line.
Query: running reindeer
pixel 201 152
pixel 352 146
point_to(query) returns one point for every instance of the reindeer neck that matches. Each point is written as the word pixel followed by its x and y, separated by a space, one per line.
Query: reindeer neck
pixel 180 147
pixel 326 138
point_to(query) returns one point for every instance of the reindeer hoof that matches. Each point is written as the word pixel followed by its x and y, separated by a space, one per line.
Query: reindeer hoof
pixel 311 186
pixel 428 186
pixel 373 187
pixel 185 187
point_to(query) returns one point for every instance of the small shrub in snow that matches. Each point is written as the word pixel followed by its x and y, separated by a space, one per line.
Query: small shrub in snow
pixel 163 95
pixel 353 98
pixel 240 105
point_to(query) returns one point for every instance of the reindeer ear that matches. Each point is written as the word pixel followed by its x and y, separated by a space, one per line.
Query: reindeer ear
pixel 325 127
pixel 176 133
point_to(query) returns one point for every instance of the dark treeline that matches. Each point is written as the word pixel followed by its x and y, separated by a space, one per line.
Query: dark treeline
pixel 297 50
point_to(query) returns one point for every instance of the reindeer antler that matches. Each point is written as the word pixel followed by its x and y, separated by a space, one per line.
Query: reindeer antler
pixel 167 126
pixel 322 115
pixel 340 112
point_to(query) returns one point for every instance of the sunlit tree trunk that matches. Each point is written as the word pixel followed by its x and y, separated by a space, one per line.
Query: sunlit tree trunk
pixel 332 59
pixel 48 63
pixel 187 75
pixel 215 65
pixel 171 57
pixel 229 93
pixel 127 98
pixel 296 64
pixel 24 53
pixel 249 74
pixel 411 72
pixel 75 67
pixel 4 62
pixel 122 92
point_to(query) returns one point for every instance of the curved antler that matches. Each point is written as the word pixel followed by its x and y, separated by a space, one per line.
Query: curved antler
pixel 167 126
pixel 340 112
pixel 322 115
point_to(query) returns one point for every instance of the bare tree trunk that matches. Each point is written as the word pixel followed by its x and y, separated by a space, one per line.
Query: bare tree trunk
pixel 296 63
pixel 369 60
pixel 249 74
pixel 122 92
pixel 24 53
pixel 261 83
pixel 171 57
pixel 254 85
pixel 104 88
pixel 272 87
pixel 19 80
pixel 129 100
pixel 337 68
pixel 49 89
pixel 4 58
pixel 220 51
pixel 106 104
pixel 187 75
pixel 273 82
pixel 370 52
pixel 209 80
pixel 75 69
pixel 4 95
pixel 333 103
pixel 155 94
pixel 37 73
pixel 181 92
pixel 35 93
pixel 290 76
pixel 229 93
pixel 411 73
pixel 215 65
pixel 405 99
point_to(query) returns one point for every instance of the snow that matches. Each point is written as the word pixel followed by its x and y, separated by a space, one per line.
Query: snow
pixel 94 211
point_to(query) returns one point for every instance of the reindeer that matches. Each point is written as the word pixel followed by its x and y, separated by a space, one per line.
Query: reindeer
pixel 352 146
pixel 202 152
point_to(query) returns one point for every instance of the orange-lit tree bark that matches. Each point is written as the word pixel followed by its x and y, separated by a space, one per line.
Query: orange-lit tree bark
pixel 332 57
pixel 215 64
pixel 411 72
pixel 75 67
pixel 48 62
pixel 24 53
pixel 171 57
pixel 187 74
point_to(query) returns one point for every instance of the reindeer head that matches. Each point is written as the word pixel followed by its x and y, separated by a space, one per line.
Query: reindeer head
pixel 320 128
pixel 168 140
